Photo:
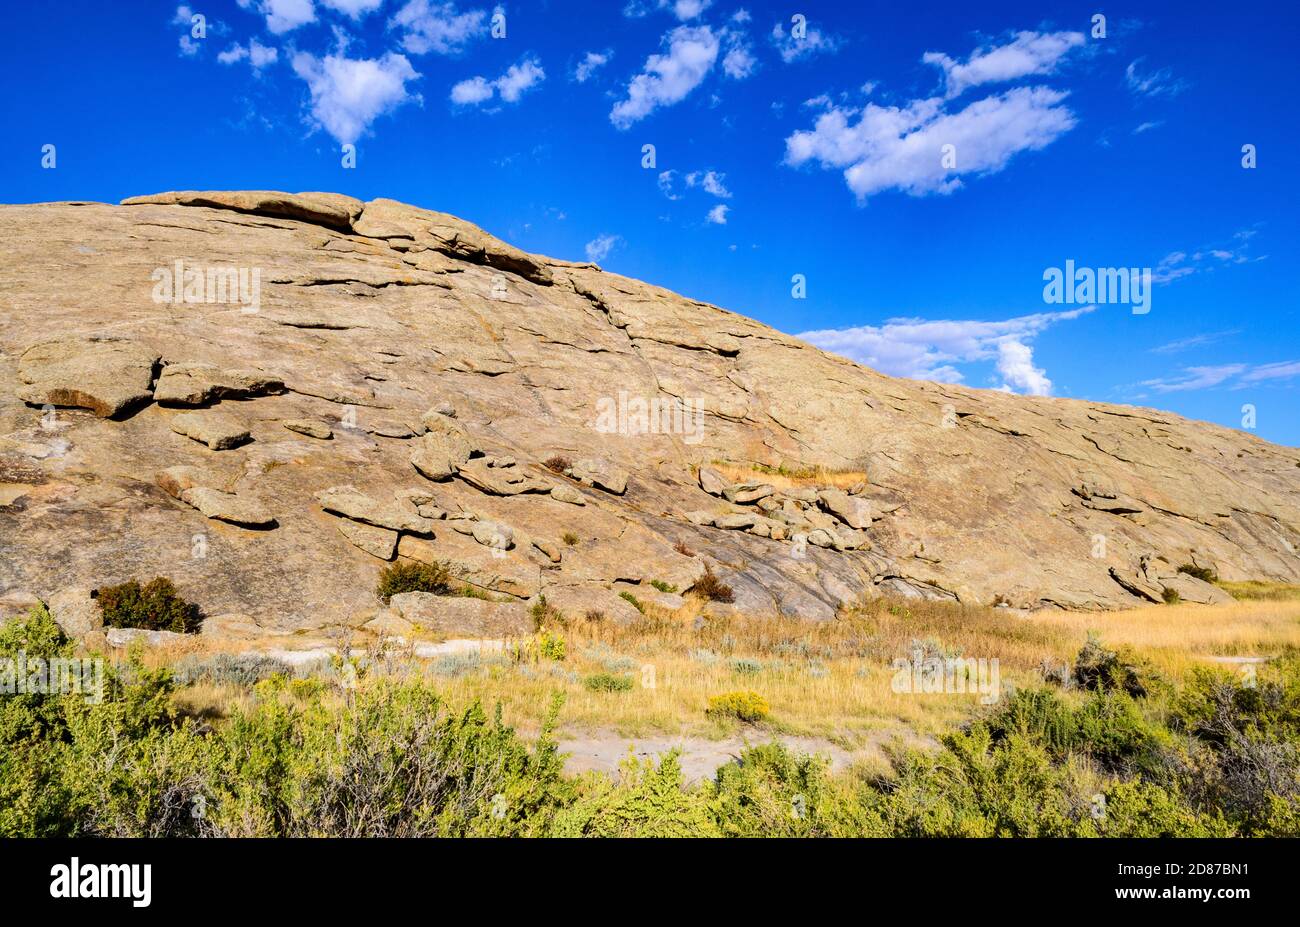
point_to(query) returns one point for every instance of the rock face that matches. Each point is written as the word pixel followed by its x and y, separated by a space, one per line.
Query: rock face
pixel 448 366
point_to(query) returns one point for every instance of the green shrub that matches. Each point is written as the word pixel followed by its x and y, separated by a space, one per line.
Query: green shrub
pixel 633 601
pixel 1204 574
pixel 663 586
pixel 646 801
pixel 608 682
pixel 410 576
pixel 545 615
pixel 1097 669
pixel 745 706
pixel 155 606
pixel 244 670
pixel 1170 596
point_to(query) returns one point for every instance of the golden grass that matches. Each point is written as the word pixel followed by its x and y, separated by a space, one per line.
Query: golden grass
pixel 790 478
pixel 1254 590
pixel 822 679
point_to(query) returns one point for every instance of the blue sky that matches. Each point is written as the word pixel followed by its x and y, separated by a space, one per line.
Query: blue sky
pixel 783 146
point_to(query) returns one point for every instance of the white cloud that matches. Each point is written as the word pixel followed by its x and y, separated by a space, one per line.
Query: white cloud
pixel 1178 264
pixel 666 184
pixel 189 47
pixel 682 9
pixel 1016 364
pixel 1029 53
pixel 257 54
pixel 1148 126
pixel 667 78
pixel 590 64
pixel 354 8
pixel 517 80
pixel 438 27
pixel 1193 341
pixel 1160 83
pixel 283 15
pixel 183 16
pixel 711 182
pixel 600 247
pixel 739 63
pixel 889 147
pixel 1236 376
pixel 718 214
pixel 813 42
pixel 929 350
pixel 689 9
pixel 348 94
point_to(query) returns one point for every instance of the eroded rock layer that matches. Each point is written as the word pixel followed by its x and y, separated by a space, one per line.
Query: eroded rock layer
pixel 266 396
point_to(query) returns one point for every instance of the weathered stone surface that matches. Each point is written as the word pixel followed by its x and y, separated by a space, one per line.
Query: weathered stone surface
pixel 332 209
pixel 228 507
pixel 378 542
pixel 854 511
pixel 568 494
pixel 109 376
pixel 199 384
pixel 175 480
pixel 125 637
pixel 583 601
pixel 494 534
pixel 459 615
pixel 217 430
pixel 75 611
pixel 443 449
pixel 310 427
pixel 351 503
pixel 745 493
pixel 500 480
pixel 600 473
pixel 401 309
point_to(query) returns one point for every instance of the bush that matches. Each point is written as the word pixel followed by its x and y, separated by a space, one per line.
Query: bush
pixel 557 463
pixel 1205 574
pixel 570 539
pixel 608 682
pixel 1100 670
pixel 712 588
pixel 1170 596
pixel 663 586
pixel 749 707
pixel 224 669
pixel 410 576
pixel 155 606
pixel 633 601
pixel 544 614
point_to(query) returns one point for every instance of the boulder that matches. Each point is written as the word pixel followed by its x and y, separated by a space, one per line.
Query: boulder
pixel 462 616
pixel 600 473
pixel 108 376
pixel 199 384
pixel 350 503
pixel 217 430
pixel 175 480
pixel 500 480
pixel 711 481
pixel 76 612
pixel 228 507
pixel 125 637
pixel 444 448
pixel 563 493
pixel 494 534
pixel 854 511
pixel 580 601
pixel 745 493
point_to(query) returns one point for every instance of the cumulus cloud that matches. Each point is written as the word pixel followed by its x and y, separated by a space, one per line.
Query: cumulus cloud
pixel 283 15
pixel 353 8
pixel 1029 53
pixel 739 62
pixel 682 9
pixel 348 94
pixel 890 147
pixel 600 247
pixel 794 48
pixel 257 54
pixel 718 214
pixel 690 53
pixel 510 86
pixel 590 64
pixel 438 27
pixel 1159 83
pixel 710 182
pixel 929 349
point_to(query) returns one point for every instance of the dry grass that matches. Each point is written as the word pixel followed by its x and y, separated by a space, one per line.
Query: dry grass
pixel 822 679
pixel 1256 591
pixel 791 478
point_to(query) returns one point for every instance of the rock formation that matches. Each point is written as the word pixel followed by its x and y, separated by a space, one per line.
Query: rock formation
pixel 266 396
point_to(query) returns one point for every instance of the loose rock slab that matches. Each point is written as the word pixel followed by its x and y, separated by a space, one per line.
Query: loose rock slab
pixel 108 376
pixel 228 507
pixel 463 616
pixel 217 430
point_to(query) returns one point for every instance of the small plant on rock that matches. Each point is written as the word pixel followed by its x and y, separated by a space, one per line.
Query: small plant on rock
pixel 155 606
pixel 633 601
pixel 407 576
pixel 557 463
pixel 663 586
pixel 570 538
pixel 712 588
pixel 1205 574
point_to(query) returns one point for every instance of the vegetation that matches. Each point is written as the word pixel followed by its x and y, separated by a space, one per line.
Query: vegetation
pixel 557 463
pixel 1256 591
pixel 749 707
pixel 713 589
pixel 608 682
pixel 1218 755
pixel 663 586
pixel 632 600
pixel 409 576
pixel 155 606
pixel 1202 573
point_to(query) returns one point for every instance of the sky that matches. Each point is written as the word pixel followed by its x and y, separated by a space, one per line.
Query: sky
pixel 925 188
